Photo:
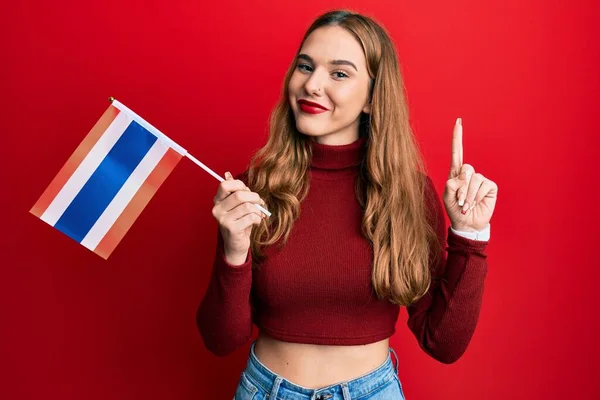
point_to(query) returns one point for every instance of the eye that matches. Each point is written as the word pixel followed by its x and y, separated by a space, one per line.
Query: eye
pixel 340 75
pixel 304 67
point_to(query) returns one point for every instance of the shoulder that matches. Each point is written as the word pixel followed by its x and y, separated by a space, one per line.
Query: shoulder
pixel 430 193
pixel 432 198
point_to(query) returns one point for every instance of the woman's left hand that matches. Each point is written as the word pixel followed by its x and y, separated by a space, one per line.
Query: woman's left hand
pixel 469 197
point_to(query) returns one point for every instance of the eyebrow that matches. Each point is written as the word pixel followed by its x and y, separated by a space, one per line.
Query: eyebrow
pixel 334 62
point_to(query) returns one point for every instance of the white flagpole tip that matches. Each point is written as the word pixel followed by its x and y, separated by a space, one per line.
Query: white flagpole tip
pixel 263 210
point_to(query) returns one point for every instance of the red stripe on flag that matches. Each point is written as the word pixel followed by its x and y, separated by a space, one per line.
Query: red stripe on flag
pixel 74 161
pixel 137 204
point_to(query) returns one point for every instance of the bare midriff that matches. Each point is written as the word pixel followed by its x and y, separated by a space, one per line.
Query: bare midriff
pixel 317 366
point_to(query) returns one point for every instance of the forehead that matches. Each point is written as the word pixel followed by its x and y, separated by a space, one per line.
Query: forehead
pixel 333 43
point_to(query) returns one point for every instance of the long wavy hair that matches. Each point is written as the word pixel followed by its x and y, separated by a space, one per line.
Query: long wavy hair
pixel 391 183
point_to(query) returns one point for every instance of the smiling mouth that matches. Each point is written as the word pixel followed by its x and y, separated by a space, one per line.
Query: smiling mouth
pixel 311 108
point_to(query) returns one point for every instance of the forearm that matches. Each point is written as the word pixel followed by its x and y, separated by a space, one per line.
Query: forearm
pixel 445 319
pixel 224 317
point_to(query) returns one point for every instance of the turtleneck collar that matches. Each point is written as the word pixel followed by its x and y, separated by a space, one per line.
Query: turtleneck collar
pixel 337 157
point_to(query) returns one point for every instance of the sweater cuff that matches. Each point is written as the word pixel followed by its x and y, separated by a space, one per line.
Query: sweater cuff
pixel 242 267
pixel 455 240
pixel 483 234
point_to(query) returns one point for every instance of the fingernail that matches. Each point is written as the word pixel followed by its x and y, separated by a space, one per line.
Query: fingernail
pixel 461 202
pixel 459 121
pixel 227 175
pixel 463 212
pixel 472 207
pixel 466 207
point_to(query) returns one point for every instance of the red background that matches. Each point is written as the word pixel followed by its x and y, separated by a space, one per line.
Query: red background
pixel 523 75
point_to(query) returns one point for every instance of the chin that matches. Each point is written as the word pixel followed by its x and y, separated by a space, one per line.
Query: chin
pixel 312 132
pixel 310 128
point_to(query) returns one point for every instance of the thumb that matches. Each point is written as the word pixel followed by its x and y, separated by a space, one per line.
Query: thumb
pixel 454 184
pixel 229 177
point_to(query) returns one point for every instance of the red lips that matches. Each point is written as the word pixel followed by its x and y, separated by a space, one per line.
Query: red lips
pixel 311 107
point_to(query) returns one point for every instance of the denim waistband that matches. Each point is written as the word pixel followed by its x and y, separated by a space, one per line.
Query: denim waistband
pixel 279 387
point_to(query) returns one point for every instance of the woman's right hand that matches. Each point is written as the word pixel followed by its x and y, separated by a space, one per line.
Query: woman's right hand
pixel 236 212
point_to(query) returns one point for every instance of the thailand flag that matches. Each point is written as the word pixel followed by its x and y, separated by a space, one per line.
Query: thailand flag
pixel 109 179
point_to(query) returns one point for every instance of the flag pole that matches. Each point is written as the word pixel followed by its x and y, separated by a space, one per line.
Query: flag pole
pixel 180 149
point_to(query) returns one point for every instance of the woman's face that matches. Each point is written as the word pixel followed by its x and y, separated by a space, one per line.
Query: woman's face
pixel 330 86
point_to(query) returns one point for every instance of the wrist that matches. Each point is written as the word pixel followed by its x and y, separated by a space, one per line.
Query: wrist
pixel 469 228
pixel 235 259
pixel 463 228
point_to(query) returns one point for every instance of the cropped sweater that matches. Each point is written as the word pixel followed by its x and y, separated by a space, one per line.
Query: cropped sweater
pixel 317 288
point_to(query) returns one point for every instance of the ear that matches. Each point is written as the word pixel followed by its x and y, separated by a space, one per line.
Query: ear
pixel 367 108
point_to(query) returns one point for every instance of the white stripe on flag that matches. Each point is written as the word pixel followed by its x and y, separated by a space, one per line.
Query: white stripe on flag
pixel 117 104
pixel 125 194
pixel 85 170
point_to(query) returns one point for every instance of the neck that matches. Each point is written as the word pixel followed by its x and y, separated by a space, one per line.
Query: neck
pixel 336 139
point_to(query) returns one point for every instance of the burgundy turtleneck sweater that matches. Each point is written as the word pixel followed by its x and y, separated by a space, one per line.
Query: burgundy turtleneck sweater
pixel 317 289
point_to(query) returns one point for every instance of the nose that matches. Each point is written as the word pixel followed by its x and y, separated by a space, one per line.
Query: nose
pixel 315 84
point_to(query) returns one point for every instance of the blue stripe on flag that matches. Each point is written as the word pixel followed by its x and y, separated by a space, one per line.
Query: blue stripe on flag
pixel 105 182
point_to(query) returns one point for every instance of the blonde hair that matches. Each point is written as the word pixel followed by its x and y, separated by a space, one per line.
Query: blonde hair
pixel 391 184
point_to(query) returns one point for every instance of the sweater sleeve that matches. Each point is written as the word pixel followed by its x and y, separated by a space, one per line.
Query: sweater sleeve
pixel 224 316
pixel 444 319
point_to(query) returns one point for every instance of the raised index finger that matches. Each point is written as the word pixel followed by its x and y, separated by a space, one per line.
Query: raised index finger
pixel 457 148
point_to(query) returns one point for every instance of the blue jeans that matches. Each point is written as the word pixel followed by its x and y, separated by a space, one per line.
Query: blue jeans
pixel 257 382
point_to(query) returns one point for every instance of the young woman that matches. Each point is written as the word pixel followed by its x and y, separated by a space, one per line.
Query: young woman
pixel 357 230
